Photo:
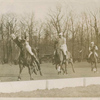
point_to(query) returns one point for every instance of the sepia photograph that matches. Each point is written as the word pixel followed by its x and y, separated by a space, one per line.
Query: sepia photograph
pixel 50 49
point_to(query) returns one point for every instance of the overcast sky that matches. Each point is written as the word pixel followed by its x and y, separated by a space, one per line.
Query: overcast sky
pixel 40 7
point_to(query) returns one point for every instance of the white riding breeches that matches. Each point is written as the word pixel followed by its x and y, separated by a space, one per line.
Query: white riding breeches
pixel 64 49
pixel 91 53
pixel 29 49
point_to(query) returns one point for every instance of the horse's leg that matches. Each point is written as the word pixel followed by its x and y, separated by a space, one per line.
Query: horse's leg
pixel 91 66
pixel 39 68
pixel 35 65
pixel 30 72
pixel 20 71
pixel 40 72
pixel 66 65
pixel 62 67
pixel 95 66
pixel 34 68
pixel 56 66
pixel 59 69
pixel 72 65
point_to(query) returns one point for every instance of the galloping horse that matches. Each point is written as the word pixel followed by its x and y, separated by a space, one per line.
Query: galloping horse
pixel 25 59
pixel 60 61
pixel 93 61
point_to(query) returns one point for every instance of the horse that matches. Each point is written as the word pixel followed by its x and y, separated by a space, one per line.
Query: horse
pixel 60 61
pixel 93 61
pixel 25 59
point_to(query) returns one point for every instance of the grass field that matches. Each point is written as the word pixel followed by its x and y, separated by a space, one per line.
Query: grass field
pixel 82 69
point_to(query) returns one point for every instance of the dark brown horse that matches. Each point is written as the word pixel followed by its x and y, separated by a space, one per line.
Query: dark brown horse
pixel 25 59
pixel 60 61
pixel 93 61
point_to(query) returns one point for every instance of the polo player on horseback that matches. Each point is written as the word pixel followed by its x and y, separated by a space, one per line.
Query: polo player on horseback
pixel 17 40
pixel 61 44
pixel 92 48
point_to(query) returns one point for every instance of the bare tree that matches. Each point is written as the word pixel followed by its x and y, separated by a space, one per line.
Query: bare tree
pixel 73 31
pixel 2 35
pixel 95 26
pixel 56 19
pixel 10 23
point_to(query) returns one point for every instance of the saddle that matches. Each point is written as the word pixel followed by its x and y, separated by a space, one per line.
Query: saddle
pixel 56 54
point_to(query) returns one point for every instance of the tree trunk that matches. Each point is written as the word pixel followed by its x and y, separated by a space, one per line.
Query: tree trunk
pixel 73 40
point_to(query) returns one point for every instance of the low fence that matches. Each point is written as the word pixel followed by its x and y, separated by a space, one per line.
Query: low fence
pixel 9 87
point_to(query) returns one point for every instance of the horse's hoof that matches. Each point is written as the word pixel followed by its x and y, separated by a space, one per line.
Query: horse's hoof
pixel 19 79
pixel 31 79
pixel 65 72
pixel 41 74
pixel 94 70
pixel 59 72
pixel 35 72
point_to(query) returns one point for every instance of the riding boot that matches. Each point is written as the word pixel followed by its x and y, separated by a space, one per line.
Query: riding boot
pixel 53 61
pixel 65 57
pixel 89 58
